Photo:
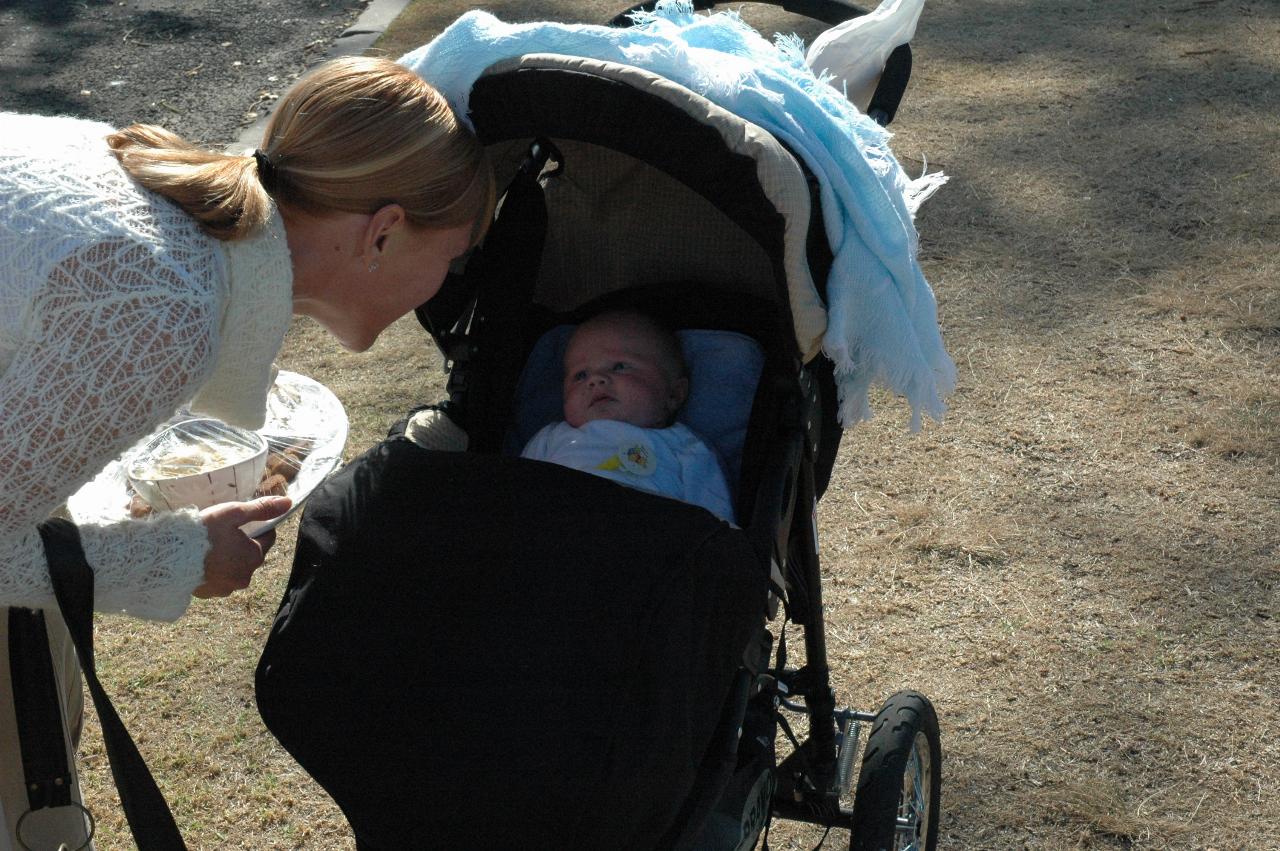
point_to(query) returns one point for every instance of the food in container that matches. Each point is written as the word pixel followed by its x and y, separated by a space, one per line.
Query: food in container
pixel 197 462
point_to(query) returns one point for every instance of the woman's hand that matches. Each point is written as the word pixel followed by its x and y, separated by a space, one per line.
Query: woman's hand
pixel 233 555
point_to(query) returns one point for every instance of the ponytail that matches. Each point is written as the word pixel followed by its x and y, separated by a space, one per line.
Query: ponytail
pixel 222 192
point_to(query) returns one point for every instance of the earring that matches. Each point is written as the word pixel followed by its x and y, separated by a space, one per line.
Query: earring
pixel 373 267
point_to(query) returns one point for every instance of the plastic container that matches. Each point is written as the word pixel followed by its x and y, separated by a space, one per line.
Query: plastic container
pixel 198 462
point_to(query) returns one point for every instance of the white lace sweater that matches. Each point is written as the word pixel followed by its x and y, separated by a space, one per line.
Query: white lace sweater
pixel 115 310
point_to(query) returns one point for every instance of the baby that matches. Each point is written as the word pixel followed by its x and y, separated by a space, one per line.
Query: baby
pixel 624 381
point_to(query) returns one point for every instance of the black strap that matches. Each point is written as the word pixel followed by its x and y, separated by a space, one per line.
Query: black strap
pixel 507 271
pixel 144 806
pixel 37 711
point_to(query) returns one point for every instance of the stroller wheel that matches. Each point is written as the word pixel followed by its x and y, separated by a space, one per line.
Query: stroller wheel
pixel 895 807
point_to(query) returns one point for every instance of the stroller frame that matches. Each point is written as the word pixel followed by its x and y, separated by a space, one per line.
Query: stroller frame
pixel 897 796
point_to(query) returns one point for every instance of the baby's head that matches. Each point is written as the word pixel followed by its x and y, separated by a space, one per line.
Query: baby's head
pixel 624 365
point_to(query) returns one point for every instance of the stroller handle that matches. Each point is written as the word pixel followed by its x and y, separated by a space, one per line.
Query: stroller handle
pixel 829 12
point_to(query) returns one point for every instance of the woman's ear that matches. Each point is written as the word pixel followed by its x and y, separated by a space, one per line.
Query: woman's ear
pixel 381 225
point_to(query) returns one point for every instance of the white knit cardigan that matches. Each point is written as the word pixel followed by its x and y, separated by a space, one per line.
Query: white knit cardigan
pixel 115 310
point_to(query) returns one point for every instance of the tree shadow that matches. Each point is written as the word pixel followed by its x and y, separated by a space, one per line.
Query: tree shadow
pixel 1124 158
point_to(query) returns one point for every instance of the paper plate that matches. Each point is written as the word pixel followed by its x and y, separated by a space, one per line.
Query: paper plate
pixel 299 409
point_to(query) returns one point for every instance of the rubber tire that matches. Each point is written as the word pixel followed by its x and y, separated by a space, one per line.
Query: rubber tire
pixel 884 764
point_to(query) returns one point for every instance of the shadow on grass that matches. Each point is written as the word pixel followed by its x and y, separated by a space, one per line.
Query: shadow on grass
pixel 1133 152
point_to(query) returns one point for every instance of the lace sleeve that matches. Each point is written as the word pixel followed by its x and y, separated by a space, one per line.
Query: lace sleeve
pixel 116 340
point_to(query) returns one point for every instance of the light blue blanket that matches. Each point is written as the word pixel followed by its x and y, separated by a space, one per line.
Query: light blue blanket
pixel 881 316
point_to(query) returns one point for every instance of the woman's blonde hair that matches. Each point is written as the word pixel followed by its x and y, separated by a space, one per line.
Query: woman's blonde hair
pixel 353 135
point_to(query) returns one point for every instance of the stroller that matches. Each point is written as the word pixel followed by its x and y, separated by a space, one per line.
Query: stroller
pixel 481 651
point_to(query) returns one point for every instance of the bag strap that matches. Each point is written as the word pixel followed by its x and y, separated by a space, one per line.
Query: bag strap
pixel 36 710
pixel 144 806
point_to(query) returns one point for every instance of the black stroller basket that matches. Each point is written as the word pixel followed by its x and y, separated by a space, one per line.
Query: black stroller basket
pixel 548 692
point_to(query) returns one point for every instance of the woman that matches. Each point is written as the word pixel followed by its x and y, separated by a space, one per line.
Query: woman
pixel 139 273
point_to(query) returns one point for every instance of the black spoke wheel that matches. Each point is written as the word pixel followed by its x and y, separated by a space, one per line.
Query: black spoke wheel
pixel 895 807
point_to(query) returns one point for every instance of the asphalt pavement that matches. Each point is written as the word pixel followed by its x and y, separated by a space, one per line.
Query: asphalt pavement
pixel 207 69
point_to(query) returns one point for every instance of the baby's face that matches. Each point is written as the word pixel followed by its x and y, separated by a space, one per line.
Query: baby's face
pixel 616 370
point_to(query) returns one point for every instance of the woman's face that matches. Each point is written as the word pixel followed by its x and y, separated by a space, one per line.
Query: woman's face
pixel 410 267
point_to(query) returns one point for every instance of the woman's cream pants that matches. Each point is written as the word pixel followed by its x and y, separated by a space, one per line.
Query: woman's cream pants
pixel 47 829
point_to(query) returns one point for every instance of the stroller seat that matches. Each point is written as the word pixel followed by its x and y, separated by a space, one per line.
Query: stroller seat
pixel 560 646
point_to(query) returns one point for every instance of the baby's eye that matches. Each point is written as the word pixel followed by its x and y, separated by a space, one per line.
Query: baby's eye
pixel 580 375
pixel 619 366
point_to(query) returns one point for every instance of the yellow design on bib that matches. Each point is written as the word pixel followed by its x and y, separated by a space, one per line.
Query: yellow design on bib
pixel 636 458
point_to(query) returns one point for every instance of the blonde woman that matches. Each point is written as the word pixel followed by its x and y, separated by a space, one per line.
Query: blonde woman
pixel 139 273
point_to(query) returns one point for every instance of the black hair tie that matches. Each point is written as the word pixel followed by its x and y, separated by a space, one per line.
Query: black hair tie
pixel 266 171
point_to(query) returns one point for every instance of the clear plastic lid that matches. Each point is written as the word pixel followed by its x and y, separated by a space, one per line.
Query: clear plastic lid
pixel 193 447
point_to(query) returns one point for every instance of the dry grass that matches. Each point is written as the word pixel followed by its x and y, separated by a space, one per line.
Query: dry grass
pixel 1079 566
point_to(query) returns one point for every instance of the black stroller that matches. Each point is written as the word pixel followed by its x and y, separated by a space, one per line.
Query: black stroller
pixel 478 651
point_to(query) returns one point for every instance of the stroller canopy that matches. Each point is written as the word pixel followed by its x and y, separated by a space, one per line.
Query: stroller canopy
pixel 880 316
pixel 659 185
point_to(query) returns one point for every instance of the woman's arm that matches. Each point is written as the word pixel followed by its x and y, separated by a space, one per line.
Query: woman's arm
pixel 115 341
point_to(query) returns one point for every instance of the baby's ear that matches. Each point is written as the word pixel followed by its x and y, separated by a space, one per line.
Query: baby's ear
pixel 679 392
